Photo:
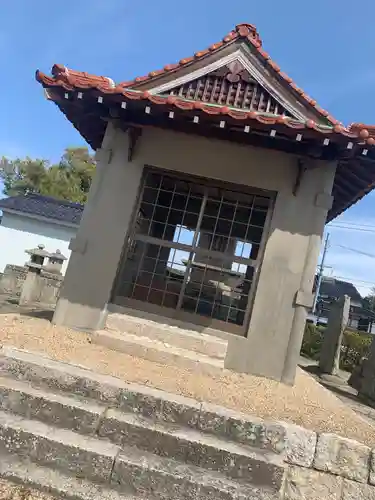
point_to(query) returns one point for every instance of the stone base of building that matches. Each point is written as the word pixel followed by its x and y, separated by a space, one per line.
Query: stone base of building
pixel 78 316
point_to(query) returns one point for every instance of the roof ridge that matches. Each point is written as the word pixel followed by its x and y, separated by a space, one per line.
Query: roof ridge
pixel 58 201
pixel 43 197
pixel 249 33
pixel 43 206
pixel 68 78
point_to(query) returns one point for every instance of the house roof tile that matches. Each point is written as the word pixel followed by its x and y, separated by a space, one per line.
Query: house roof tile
pixel 44 206
pixel 70 79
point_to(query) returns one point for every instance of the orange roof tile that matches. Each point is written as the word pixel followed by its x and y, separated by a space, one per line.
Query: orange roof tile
pixel 101 84
pixel 247 32
pixel 362 128
pixel 69 79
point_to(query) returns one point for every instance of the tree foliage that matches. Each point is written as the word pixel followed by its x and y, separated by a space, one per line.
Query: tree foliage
pixel 69 179
pixel 369 301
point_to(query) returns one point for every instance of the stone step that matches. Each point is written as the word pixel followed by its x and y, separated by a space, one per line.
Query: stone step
pixel 130 429
pixel 22 399
pixel 130 470
pixel 155 405
pixel 209 345
pixel 158 352
pixel 54 482
pixel 192 447
pixel 83 456
pixel 166 478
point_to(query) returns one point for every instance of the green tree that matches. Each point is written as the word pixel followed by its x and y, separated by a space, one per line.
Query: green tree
pixel 70 179
pixel 369 301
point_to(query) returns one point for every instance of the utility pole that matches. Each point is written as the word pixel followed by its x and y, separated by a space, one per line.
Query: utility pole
pixel 320 274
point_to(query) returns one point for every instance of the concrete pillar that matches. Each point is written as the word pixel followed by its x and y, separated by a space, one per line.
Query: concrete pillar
pixel 338 318
pixel 97 248
pixel 285 278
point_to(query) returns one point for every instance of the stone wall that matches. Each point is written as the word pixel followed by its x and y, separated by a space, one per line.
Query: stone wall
pixel 12 280
pixel 45 290
pixel 327 466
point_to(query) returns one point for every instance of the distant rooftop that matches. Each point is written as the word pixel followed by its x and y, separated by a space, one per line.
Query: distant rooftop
pixel 43 206
pixel 334 289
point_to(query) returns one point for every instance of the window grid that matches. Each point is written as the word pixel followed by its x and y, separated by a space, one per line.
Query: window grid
pixel 200 282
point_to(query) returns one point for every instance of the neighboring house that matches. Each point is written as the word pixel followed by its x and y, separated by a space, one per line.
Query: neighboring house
pixel 332 289
pixel 30 220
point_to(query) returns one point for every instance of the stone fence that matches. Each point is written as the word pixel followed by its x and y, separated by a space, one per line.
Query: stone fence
pixel 12 280
pixel 326 466
pixel 35 282
pixel 45 290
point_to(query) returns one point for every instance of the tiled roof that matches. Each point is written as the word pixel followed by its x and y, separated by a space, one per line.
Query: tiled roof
pixel 334 288
pixel 89 101
pixel 358 127
pixel 70 79
pixel 44 206
pixel 212 109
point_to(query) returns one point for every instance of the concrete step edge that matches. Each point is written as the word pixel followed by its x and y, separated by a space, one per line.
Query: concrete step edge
pixel 157 352
pixel 54 482
pixel 165 327
pixel 158 344
pixel 186 339
pixel 165 322
pixel 155 404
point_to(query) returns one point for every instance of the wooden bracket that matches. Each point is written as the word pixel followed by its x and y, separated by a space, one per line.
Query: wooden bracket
pixel 301 169
pixel 134 134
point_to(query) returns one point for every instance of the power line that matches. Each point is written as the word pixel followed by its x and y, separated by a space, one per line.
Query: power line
pixel 368 229
pixel 356 251
pixel 352 223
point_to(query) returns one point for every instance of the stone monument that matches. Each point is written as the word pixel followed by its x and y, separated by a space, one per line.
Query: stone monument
pixel 338 317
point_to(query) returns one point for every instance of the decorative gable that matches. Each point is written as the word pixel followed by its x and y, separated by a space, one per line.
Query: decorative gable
pixel 231 85
pixel 235 72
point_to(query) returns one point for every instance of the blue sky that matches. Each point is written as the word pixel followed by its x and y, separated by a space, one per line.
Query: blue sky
pixel 327 47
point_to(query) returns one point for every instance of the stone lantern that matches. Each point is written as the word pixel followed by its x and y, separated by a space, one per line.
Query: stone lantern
pixel 55 262
pixel 34 268
pixel 37 257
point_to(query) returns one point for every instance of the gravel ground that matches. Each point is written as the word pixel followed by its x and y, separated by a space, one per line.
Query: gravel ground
pixel 10 491
pixel 307 403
